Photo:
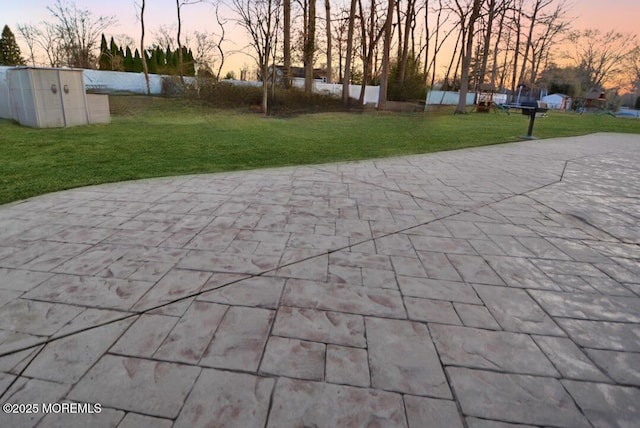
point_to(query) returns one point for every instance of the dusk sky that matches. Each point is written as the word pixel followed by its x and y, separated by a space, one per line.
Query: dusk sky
pixel 619 15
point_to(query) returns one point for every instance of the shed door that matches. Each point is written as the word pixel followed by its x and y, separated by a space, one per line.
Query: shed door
pixel 48 102
pixel 73 98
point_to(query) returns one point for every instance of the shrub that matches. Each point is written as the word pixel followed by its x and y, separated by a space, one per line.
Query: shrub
pixel 287 102
pixel 413 86
pixel 172 86
pixel 227 95
pixel 282 102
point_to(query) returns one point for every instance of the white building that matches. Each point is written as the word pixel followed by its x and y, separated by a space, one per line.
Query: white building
pixel 557 101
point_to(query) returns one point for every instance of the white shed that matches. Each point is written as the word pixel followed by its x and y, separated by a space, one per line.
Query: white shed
pixel 47 97
pixel 5 107
pixel 557 101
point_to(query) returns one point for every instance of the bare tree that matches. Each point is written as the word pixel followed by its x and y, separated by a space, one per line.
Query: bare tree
pixel 471 13
pixel 47 38
pixel 205 49
pixel 210 55
pixel 600 56
pixel 503 9
pixel 633 65
pixel 260 19
pixel 538 7
pixel 30 34
pixel 372 29
pixel 287 42
pixel 491 13
pixel 145 68
pixel 164 36
pixel 384 75
pixel 78 32
pixel 436 38
pixel 309 46
pixel 179 5
pixel 124 40
pixel 410 17
pixel 517 29
pixel 340 36
pixel 346 81
pixel 455 55
pixel 552 27
pixel 327 8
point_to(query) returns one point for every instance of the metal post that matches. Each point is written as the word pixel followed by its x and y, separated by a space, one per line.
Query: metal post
pixel 519 92
pixel 532 119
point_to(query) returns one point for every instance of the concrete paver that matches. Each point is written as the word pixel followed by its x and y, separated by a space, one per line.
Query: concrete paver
pixel 569 360
pixel 318 404
pixel 515 398
pixel 320 326
pixel 403 358
pixel 189 338
pixel 347 366
pixel 229 399
pixel 436 413
pixel 299 359
pixel 516 311
pixel 475 316
pixel 239 339
pixel 623 367
pixel 606 405
pixel 488 287
pixel 495 350
pixel 141 385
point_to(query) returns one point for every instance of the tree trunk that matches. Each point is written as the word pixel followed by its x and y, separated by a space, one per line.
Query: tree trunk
pixel 505 61
pixel 425 67
pixel 494 68
pixel 287 42
pixel 384 75
pixel 525 56
pixel 310 48
pixel 402 66
pixel 180 59
pixel 145 69
pixel 327 7
pixel 399 24
pixel 487 40
pixel 466 59
pixel 518 28
pixel 265 87
pixel 367 48
pixel 460 38
pixel 347 62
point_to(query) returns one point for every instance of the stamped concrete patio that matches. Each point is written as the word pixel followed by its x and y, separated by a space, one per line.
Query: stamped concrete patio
pixel 478 288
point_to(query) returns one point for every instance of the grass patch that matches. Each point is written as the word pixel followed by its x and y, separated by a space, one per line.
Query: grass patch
pixel 153 137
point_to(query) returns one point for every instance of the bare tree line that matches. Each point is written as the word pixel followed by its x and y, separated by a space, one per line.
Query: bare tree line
pixel 459 44
pixel 463 44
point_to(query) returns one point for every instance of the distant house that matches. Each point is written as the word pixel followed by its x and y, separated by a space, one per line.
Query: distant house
pixel 596 98
pixel 557 101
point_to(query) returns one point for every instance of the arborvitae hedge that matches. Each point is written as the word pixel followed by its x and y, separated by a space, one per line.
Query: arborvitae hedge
pixel 159 60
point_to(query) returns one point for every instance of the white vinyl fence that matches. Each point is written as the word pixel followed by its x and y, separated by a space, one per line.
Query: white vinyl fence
pixel 448 98
pixel 117 81
pixel 370 93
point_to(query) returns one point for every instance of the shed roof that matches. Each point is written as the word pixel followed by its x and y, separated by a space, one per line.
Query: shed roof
pixel 563 96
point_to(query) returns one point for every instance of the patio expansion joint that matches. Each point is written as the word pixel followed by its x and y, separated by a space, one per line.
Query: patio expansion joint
pixel 273 270
pixel 268 271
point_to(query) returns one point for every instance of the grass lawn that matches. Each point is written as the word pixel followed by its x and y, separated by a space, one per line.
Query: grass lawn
pixel 152 137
